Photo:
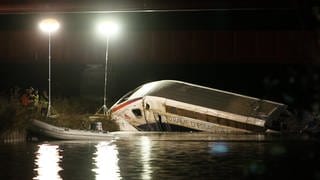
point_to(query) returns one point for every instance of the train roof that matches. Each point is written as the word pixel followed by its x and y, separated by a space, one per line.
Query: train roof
pixel 208 97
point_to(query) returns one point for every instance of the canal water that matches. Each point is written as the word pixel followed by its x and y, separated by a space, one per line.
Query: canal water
pixel 164 156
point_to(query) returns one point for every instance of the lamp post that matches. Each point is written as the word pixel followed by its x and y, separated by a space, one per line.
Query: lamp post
pixel 107 29
pixel 49 26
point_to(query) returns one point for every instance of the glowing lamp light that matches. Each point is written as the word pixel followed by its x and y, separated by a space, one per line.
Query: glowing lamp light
pixel 49 25
pixel 108 28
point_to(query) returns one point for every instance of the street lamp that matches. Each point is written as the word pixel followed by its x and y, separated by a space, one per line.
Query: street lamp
pixel 107 29
pixel 49 26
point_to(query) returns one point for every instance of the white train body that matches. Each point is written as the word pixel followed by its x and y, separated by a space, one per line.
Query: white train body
pixel 169 105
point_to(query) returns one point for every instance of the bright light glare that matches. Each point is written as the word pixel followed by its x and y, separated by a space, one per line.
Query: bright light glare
pixel 143 90
pixel 108 28
pixel 106 161
pixel 47 162
pixel 49 25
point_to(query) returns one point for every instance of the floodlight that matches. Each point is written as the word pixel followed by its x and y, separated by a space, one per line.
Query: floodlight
pixel 108 28
pixel 49 25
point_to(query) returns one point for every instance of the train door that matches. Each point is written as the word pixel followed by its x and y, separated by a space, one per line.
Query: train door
pixel 161 122
pixel 148 116
pixel 154 113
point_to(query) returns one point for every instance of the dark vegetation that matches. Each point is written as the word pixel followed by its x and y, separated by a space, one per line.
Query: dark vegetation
pixel 74 113
pixel 13 118
pixel 71 113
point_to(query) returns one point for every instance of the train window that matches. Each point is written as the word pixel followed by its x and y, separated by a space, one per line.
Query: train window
pixel 127 96
pixel 171 109
pixel 137 112
pixel 147 106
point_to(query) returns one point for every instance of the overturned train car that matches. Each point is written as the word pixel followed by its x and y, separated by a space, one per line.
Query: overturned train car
pixel 170 105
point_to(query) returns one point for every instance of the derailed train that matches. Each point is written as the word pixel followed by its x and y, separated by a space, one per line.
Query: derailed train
pixel 170 105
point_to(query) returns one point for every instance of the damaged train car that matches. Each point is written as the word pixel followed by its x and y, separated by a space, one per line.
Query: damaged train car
pixel 170 105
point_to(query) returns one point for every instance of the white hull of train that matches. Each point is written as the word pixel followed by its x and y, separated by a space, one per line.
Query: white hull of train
pixel 170 105
pixel 157 116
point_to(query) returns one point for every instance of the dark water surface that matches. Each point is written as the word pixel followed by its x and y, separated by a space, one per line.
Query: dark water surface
pixel 164 156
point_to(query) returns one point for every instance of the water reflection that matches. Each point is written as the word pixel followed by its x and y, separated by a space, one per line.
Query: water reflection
pixel 165 156
pixel 145 157
pixel 106 161
pixel 218 148
pixel 47 162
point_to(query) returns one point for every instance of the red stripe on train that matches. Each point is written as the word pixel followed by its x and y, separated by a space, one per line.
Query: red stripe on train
pixel 124 104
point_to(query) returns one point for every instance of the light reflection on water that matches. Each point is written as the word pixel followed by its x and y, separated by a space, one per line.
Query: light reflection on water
pixel 145 157
pixel 163 156
pixel 106 161
pixel 218 148
pixel 47 162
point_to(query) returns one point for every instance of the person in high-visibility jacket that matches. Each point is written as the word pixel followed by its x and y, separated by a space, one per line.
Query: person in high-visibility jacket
pixel 25 98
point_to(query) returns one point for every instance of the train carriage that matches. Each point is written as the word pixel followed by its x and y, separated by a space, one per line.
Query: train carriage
pixel 170 105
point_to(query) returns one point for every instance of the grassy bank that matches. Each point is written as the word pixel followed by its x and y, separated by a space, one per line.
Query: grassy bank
pixel 72 113
pixel 13 118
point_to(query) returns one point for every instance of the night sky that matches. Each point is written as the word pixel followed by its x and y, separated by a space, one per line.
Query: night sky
pixel 268 52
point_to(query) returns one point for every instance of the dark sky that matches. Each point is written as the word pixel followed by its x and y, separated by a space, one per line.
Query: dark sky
pixel 268 52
